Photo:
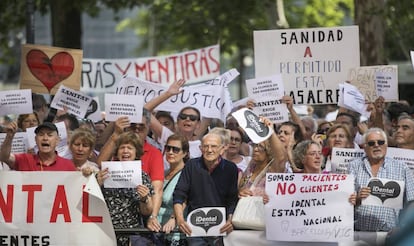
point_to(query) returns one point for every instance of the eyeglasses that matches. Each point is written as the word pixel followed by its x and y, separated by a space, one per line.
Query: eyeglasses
pixel 314 154
pixel 259 147
pixel 213 147
pixel 175 150
pixel 190 116
pixel 137 127
pixel 379 142
pixel 237 140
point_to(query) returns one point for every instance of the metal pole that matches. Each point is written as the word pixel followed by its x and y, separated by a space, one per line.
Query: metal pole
pixel 30 33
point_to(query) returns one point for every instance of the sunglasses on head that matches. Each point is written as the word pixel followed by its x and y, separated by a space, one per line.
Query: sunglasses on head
pixel 379 142
pixel 190 116
pixel 175 150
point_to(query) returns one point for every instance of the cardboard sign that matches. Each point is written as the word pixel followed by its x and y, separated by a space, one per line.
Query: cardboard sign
pixel 251 124
pixel 43 68
pixel 309 207
pixel 123 174
pixel 364 79
pixel 312 61
pixel 53 208
pixel 16 102
pixel 205 222
pixel 385 192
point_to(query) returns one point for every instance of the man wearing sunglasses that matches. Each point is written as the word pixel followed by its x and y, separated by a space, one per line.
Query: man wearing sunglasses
pixel 376 165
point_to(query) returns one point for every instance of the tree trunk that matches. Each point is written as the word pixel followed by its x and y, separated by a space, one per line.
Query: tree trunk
pixel 66 24
pixel 369 17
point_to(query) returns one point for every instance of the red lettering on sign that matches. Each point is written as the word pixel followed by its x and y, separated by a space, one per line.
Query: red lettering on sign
pixel 30 200
pixel 85 210
pixel 7 207
pixel 60 205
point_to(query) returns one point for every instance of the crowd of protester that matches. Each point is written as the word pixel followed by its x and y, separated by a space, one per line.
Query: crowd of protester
pixel 188 164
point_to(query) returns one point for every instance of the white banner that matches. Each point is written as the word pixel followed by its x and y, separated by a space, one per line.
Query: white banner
pixel 102 75
pixel 312 61
pixel 309 207
pixel 51 208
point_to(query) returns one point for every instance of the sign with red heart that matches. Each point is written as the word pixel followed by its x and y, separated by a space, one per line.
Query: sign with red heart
pixel 45 67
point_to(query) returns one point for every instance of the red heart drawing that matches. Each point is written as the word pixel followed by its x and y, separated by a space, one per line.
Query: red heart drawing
pixel 50 71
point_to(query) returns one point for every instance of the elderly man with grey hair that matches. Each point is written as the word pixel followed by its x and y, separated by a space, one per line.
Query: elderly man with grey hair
pixel 376 165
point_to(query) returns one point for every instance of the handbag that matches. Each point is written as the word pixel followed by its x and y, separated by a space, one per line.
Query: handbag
pixel 249 212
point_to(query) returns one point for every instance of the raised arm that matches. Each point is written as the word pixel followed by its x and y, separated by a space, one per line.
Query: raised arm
pixel 5 153
pixel 174 89
pixel 278 150
pixel 293 115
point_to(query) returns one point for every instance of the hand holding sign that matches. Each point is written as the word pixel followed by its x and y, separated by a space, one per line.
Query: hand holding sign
pixel 251 123
pixel 206 221
pixel 385 192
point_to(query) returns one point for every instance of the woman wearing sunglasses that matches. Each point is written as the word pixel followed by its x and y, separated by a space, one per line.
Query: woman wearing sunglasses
pixel 176 153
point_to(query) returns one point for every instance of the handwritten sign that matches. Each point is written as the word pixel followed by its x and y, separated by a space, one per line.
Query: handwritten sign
pixel 364 78
pixel 309 207
pixel 385 192
pixel 74 101
pixel 206 221
pixel 211 98
pixel 126 105
pixel 123 174
pixel 341 157
pixel 40 208
pixel 386 85
pixel 102 75
pixel 16 102
pixel 45 67
pixel 251 124
pixel 19 142
pixel 312 61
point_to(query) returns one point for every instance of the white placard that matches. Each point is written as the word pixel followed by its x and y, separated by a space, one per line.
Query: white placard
pixel 206 222
pixel 412 58
pixel 312 61
pixel 72 101
pixel 352 98
pixel 16 102
pixel 386 85
pixel 123 174
pixel 271 108
pixel 385 192
pixel 404 155
pixel 266 86
pixel 251 124
pixel 125 105
pixel 53 208
pixel 309 207
pixel 340 158
pixel 19 142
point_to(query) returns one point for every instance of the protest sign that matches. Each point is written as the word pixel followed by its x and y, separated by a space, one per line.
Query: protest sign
pixel 53 208
pixel 351 98
pixel 266 86
pixel 251 124
pixel 206 222
pixel 404 155
pixel 312 61
pixel 386 85
pixel 126 105
pixel 364 79
pixel 45 67
pixel 309 207
pixel 211 98
pixel 19 142
pixel 16 102
pixel 72 101
pixel 123 174
pixel 340 158
pixel 412 58
pixel 271 108
pixel 102 75
pixel 94 110
pixel 385 192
